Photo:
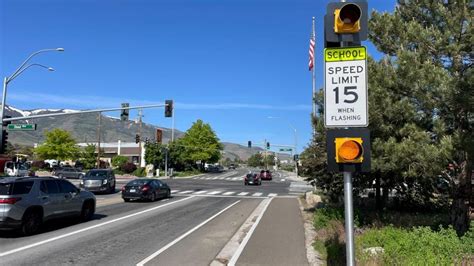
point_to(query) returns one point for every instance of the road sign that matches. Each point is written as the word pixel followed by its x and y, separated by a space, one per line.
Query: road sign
pixel 345 87
pixel 288 149
pixel 21 127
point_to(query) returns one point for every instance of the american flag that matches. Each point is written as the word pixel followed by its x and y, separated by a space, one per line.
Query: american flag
pixel 311 52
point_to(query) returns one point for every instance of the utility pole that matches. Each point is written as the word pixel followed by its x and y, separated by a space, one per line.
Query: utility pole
pixel 140 137
pixel 98 140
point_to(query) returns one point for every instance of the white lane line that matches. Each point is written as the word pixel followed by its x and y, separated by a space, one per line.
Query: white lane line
pixel 258 194
pixel 174 191
pixel 236 255
pixel 200 192
pixel 161 250
pixel 214 192
pixel 228 193
pixel 186 192
pixel 242 194
pixel 272 195
pixel 283 180
pixel 89 228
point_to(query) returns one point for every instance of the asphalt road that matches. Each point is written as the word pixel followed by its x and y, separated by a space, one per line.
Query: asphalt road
pixel 207 220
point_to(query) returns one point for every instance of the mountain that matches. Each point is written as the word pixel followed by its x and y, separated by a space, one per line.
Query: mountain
pixel 83 127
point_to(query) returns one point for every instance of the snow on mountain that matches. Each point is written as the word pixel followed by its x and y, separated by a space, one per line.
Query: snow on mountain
pixel 23 113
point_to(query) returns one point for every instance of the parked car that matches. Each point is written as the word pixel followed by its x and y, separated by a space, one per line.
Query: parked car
pixel 68 172
pixel 17 169
pixel 27 202
pixel 51 163
pixel 252 179
pixel 99 180
pixel 141 189
pixel 266 175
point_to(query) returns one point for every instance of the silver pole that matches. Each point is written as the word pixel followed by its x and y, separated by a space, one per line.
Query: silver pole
pixel 349 219
pixel 172 125
pixel 296 152
pixel 2 110
pixel 314 78
pixel 166 162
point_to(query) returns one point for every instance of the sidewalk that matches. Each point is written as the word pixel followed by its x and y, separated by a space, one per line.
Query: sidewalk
pixel 279 238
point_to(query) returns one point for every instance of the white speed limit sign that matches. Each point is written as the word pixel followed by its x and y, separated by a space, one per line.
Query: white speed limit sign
pixel 345 87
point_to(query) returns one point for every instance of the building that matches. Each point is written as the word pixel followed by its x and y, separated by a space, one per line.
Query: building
pixel 128 149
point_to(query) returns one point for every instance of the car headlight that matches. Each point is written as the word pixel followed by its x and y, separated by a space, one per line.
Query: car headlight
pixel 82 182
pixel 104 182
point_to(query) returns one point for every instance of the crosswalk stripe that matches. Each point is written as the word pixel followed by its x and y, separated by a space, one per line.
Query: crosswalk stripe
pixel 216 177
pixel 185 192
pixel 208 178
pixel 235 178
pixel 258 194
pixel 272 195
pixel 283 180
pixel 214 192
pixel 228 193
pixel 174 191
pixel 200 192
pixel 242 194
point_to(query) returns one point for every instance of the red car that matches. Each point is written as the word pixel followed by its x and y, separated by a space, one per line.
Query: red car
pixel 266 175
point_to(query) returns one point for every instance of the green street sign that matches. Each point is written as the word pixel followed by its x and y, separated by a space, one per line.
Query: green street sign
pixel 21 127
pixel 288 149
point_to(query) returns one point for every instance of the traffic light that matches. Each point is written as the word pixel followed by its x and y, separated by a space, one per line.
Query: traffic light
pixel 3 145
pixel 159 135
pixel 168 108
pixel 137 138
pixel 125 112
pixel 296 157
pixel 249 144
pixel 345 22
pixel 349 150
pixel 268 145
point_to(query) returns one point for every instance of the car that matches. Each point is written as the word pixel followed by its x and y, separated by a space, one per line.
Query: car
pixel 27 202
pixel 145 189
pixel 232 166
pixel 68 172
pixel 17 169
pixel 252 179
pixel 266 175
pixel 99 180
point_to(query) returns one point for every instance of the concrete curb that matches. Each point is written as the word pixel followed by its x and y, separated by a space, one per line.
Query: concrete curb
pixel 313 257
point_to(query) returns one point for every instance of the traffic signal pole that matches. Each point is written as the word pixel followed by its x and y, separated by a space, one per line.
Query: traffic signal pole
pixel 349 219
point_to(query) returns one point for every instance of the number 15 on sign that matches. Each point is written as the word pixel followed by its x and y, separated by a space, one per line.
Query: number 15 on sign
pixel 345 87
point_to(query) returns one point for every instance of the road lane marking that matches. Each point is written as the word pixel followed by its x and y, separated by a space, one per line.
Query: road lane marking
pixel 272 195
pixel 283 180
pixel 89 228
pixel 258 194
pixel 239 250
pixel 174 191
pixel 228 193
pixel 186 192
pixel 214 192
pixel 243 194
pixel 161 250
pixel 200 192
pixel 236 178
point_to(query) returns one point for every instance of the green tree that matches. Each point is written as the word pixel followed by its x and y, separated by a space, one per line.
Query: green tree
pixel 427 80
pixel 155 154
pixel 200 143
pixel 89 158
pixel 255 160
pixel 119 160
pixel 59 145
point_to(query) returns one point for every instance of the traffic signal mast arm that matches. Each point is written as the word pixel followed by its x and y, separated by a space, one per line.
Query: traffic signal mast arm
pixel 83 112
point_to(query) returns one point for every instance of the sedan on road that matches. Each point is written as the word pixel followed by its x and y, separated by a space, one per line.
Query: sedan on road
pixel 145 189
pixel 252 179
pixel 99 180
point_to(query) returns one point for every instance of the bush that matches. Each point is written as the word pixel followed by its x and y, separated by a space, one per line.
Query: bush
pixel 421 244
pixel 128 168
pixel 118 161
pixel 118 171
pixel 140 172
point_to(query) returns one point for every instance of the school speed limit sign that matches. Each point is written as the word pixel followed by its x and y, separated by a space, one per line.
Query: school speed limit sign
pixel 345 87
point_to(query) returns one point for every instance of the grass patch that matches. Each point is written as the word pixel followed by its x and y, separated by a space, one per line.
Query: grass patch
pixel 186 173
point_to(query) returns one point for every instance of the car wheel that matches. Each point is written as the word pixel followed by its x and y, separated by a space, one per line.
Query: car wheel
pixel 153 196
pixel 126 200
pixel 87 211
pixel 31 222
pixel 168 194
pixel 60 176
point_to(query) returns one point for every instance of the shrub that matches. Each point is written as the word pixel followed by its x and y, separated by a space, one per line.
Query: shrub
pixel 118 171
pixel 118 161
pixel 128 168
pixel 140 172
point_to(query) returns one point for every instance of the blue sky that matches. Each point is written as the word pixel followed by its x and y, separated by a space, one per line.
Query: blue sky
pixel 231 63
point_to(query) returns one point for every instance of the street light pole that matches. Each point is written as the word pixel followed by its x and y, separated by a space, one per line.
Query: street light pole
pixel 15 74
pixel 296 142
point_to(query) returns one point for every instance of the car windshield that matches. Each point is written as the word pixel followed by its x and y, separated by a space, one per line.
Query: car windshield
pixel 97 174
pixel 137 182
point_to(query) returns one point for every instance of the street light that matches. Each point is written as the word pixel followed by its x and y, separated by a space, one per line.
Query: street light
pixel 296 140
pixel 15 74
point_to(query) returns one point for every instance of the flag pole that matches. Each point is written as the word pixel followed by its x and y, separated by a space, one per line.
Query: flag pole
pixel 313 35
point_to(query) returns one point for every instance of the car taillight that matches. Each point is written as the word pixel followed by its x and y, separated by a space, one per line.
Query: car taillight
pixel 123 188
pixel 10 200
pixel 145 188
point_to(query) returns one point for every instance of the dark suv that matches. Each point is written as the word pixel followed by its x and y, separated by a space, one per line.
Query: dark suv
pixel 99 180
pixel 26 202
